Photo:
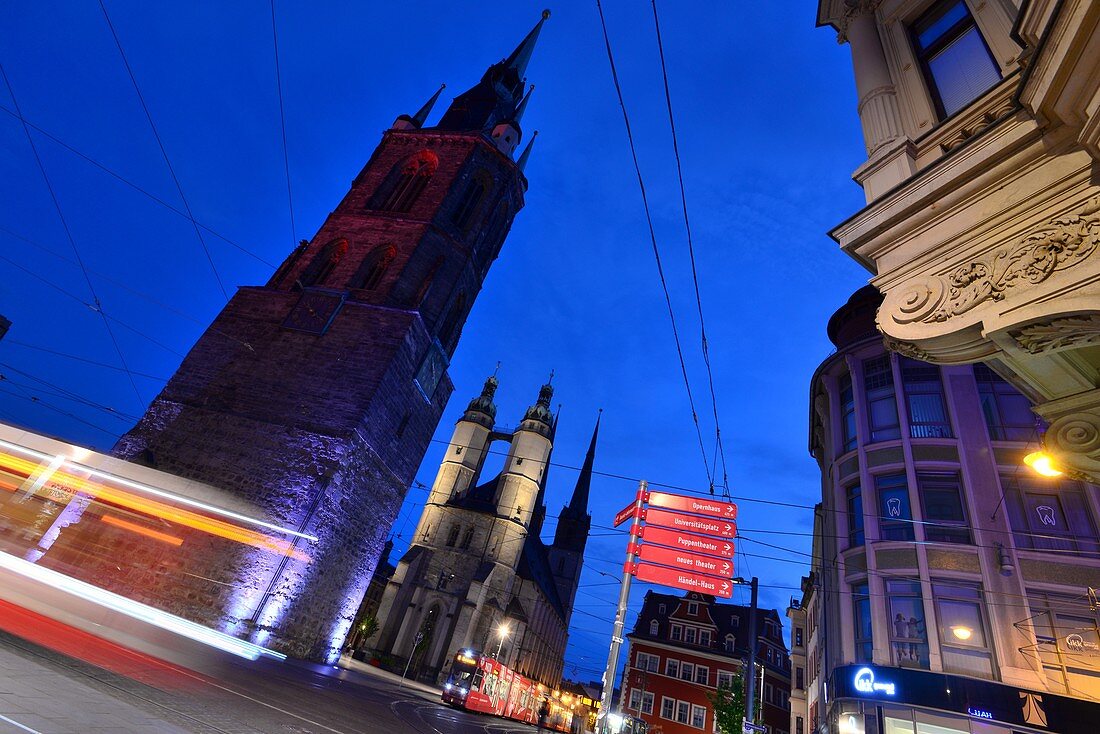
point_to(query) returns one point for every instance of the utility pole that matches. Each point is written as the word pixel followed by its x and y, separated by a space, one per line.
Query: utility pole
pixel 750 682
pixel 620 613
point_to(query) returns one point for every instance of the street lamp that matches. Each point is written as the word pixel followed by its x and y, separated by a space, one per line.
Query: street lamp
pixel 1043 464
pixel 502 630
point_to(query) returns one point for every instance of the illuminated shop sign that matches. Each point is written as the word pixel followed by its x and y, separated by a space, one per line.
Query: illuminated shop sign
pixel 865 682
pixel 979 713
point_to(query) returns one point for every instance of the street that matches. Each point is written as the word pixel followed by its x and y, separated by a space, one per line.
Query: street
pixel 46 692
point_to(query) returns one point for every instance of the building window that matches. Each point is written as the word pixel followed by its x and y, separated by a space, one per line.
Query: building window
pixel 702 675
pixel 689 635
pixel 647 703
pixel 908 632
pixel 676 632
pixel 941 497
pixel 956 61
pixel 798 632
pixel 450 328
pixel 725 679
pixel 895 515
pixel 861 602
pixel 728 646
pixel 964 646
pixel 687 671
pixel 855 517
pixel 467 538
pixel 452 536
pixel 1049 515
pixel 661 609
pixel 1067 644
pixel 470 203
pixel 654 628
pixel 668 707
pixel 799 678
pixel 698 716
pixel 373 268
pixel 635 698
pixel 704 638
pixel 648 662
pixel 323 263
pixel 848 412
pixel 683 708
pixel 672 668
pixel 405 183
pixel 1007 413
pixel 799 725
pixel 693 609
pixel 882 407
pixel 924 400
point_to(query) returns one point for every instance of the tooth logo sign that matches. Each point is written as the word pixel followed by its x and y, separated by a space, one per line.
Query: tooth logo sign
pixel 893 506
pixel 865 683
pixel 1046 514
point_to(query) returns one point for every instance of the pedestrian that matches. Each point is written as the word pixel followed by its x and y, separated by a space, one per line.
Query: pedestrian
pixel 544 713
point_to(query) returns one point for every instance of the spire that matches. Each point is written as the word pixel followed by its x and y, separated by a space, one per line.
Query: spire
pixel 484 402
pixel 422 116
pixel 522 55
pixel 523 105
pixel 522 162
pixel 578 504
pixel 540 411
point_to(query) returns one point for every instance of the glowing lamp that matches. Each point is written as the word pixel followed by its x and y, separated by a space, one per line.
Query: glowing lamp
pixel 1043 464
pixel 962 633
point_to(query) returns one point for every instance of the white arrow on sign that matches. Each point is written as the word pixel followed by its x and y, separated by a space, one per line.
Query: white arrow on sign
pixel 728 547
pixel 725 587
pixel 727 567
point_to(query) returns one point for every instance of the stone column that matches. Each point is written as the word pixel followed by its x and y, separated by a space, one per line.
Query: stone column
pixel 878 104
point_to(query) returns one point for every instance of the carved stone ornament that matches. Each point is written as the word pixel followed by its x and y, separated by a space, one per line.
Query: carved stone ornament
pixel 905 349
pixel 1064 333
pixel 1065 242
pixel 1075 442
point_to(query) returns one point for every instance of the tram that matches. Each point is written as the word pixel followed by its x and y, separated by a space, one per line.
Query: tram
pixel 483 684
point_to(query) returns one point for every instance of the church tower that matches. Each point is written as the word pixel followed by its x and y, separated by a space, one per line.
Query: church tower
pixel 313 397
pixel 477 560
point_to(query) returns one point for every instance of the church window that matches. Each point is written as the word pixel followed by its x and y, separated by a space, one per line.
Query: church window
pixel 957 63
pixel 405 183
pixel 323 263
pixel 452 536
pixel 467 538
pixel 449 330
pixel 288 264
pixel 373 268
pixel 426 284
pixel 654 628
pixel 470 203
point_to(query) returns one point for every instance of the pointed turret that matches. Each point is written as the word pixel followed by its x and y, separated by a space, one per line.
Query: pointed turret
pixel 540 412
pixel 574 521
pixel 578 503
pixel 497 97
pixel 404 122
pixel 523 105
pixel 521 164
pixel 482 409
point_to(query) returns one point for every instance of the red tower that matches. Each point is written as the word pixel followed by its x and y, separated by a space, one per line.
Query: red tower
pixel 314 397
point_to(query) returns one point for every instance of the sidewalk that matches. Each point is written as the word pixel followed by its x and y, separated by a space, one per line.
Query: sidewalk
pixel 348 663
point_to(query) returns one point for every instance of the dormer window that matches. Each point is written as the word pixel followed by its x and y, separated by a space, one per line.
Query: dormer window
pixel 957 63
pixel 693 608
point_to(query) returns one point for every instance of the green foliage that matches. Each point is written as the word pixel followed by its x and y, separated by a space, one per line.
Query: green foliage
pixel 368 626
pixel 729 706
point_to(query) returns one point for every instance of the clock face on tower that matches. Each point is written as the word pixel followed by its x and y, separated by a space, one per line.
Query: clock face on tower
pixel 431 370
pixel 314 312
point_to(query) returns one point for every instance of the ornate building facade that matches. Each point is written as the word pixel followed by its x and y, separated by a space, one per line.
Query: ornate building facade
pixel 478 566
pixel 312 398
pixel 982 227
pixel 948 586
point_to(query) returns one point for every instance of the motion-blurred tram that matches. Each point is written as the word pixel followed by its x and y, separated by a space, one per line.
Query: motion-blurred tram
pixel 483 684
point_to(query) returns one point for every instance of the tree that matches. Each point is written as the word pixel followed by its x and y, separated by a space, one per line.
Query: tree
pixel 729 706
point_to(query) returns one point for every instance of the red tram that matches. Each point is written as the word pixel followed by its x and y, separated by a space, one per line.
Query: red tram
pixel 485 685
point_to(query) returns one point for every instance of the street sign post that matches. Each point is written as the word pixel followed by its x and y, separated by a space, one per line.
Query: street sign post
pixel 624 514
pixel 696 505
pixel 686 561
pixel 747 727
pixel 690 523
pixel 689 542
pixel 689 581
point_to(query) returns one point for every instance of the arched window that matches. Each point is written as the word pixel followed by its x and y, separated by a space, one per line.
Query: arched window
pixel 729 643
pixel 373 268
pixel 450 324
pixel 405 183
pixel 654 628
pixel 323 263
pixel 426 284
pixel 288 264
pixel 470 204
pixel 467 538
pixel 452 536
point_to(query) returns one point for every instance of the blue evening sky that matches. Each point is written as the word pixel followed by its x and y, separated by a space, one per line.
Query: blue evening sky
pixel 768 135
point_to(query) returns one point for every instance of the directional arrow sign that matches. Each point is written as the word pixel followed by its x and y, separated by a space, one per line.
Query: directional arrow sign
pixel 705 525
pixel 624 514
pixel 686 561
pixel 697 505
pixel 688 541
pixel 685 580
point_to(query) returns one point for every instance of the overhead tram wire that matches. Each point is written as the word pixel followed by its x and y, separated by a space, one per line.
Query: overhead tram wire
pixel 145 192
pixel 653 242
pixel 163 151
pixel 98 307
pixel 282 121
pixel 719 450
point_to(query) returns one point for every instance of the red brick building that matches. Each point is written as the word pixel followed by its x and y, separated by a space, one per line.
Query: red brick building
pixel 684 648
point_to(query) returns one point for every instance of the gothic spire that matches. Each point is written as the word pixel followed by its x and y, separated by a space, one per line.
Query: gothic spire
pixel 519 58
pixel 522 162
pixel 523 105
pixel 578 504
pixel 484 403
pixel 422 116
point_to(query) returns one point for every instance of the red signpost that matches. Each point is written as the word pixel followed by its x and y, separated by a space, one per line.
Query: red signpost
pixel 691 523
pixel 690 581
pixel 686 561
pixel 688 541
pixel 624 514
pixel 695 505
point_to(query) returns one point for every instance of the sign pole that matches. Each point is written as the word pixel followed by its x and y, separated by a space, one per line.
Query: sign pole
pixel 620 613
pixel 750 679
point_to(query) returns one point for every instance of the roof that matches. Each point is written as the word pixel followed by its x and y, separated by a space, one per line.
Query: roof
pixel 534 567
